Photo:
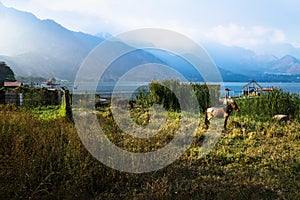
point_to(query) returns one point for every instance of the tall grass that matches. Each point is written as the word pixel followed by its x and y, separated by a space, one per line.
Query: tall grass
pixel 274 102
pixel 43 158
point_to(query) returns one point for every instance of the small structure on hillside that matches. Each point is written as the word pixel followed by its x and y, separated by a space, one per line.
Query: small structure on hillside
pixel 51 84
pixel 254 89
pixel 12 85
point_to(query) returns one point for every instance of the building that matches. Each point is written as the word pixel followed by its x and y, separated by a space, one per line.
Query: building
pixel 9 96
pixel 254 89
pixel 12 85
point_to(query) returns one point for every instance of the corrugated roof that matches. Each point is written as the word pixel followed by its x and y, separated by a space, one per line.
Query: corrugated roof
pixel 267 89
pixel 12 84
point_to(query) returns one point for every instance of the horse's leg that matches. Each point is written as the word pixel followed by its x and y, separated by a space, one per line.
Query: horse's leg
pixel 225 122
pixel 206 120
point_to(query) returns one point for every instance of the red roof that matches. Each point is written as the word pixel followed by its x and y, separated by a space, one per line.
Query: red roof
pixel 12 84
pixel 267 89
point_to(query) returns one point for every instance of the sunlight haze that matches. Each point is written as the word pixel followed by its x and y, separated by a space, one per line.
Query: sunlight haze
pixel 248 24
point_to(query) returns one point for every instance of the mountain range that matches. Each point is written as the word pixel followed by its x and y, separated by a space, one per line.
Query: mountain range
pixel 34 47
pixel 44 48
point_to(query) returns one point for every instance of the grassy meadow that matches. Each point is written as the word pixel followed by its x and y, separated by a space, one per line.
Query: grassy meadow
pixel 42 157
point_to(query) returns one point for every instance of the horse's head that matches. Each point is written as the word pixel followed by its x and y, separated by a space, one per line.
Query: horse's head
pixel 235 106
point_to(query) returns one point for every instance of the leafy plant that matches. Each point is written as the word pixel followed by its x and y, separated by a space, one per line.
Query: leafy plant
pixel 274 102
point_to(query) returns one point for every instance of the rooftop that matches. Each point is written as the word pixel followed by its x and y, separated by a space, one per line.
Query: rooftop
pixel 12 84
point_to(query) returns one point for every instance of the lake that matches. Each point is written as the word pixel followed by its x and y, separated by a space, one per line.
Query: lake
pixel 236 87
pixel 105 89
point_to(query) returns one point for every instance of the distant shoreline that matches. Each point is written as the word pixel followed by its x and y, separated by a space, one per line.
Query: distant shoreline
pixel 107 88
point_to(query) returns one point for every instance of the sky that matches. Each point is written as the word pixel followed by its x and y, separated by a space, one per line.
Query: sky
pixel 245 23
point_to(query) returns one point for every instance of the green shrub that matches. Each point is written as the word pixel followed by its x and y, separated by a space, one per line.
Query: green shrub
pixel 267 105
pixel 161 92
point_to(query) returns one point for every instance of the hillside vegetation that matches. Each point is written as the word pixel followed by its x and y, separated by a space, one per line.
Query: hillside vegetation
pixel 6 74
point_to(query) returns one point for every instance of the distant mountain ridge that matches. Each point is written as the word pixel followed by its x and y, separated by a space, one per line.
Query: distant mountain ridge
pixel 287 65
pixel 246 62
pixel 41 47
pixel 34 47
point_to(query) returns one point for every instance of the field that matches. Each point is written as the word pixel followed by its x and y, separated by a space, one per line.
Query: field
pixel 42 157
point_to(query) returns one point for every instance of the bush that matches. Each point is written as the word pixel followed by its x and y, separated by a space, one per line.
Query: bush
pixel 161 93
pixel 39 96
pixel 274 102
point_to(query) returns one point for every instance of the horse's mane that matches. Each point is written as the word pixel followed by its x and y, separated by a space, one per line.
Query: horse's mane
pixel 228 108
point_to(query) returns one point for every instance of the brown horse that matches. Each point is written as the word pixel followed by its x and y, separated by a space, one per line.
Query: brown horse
pixel 220 112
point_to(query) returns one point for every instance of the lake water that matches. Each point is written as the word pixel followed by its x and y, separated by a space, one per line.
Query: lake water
pixel 106 88
pixel 236 87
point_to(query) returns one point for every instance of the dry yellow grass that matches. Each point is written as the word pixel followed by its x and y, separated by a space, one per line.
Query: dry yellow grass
pixel 45 159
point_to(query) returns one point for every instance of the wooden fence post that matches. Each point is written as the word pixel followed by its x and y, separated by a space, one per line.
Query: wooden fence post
pixel 67 102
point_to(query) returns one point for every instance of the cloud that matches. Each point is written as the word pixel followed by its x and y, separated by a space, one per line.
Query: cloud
pixel 195 19
pixel 95 15
pixel 89 6
pixel 244 36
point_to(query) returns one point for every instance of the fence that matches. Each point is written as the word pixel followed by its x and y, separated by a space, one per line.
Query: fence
pixel 31 97
pixel 13 98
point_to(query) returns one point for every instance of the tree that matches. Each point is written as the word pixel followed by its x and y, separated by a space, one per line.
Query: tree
pixel 6 74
